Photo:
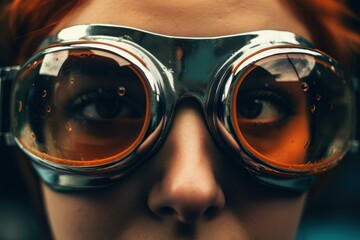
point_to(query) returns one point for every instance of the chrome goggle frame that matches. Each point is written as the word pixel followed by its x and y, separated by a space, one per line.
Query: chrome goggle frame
pixel 170 80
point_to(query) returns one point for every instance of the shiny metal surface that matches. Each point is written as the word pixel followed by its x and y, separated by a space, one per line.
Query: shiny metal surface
pixel 177 68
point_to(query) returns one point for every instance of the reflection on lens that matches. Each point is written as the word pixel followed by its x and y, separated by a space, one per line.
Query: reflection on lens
pixel 68 126
pixel 292 111
pixel 85 107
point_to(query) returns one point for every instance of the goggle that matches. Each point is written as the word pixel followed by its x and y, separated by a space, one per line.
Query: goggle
pixel 96 100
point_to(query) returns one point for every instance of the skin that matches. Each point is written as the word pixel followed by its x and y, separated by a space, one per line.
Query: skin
pixel 188 189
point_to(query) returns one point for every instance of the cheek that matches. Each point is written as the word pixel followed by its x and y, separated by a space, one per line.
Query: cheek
pixel 100 214
pixel 274 218
pixel 264 212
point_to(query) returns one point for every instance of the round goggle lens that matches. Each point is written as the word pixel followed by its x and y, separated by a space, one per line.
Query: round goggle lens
pixel 80 107
pixel 293 111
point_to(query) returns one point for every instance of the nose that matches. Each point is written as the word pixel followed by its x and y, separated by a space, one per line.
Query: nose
pixel 187 189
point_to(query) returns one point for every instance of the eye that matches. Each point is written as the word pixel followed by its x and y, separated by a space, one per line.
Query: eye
pixel 107 108
pixel 102 106
pixel 263 107
pixel 261 110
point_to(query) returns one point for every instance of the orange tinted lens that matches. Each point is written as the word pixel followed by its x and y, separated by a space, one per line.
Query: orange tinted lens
pixel 81 107
pixel 293 110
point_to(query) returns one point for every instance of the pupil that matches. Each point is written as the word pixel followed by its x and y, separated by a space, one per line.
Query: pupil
pixel 251 109
pixel 108 109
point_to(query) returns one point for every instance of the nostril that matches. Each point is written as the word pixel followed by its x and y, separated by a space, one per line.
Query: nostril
pixel 211 211
pixel 163 211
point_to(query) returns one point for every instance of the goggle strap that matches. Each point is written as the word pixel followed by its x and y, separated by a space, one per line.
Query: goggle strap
pixel 293 184
pixel 355 144
pixel 7 76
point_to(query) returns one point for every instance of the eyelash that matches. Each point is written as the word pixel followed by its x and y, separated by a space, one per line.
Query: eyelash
pixel 281 101
pixel 75 106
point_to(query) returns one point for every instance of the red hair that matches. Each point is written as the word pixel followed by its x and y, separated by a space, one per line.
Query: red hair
pixel 329 25
pixel 29 22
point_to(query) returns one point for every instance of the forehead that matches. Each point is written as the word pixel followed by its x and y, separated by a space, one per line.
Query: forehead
pixel 189 18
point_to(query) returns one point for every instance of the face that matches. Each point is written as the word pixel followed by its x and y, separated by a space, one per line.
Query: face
pixel 187 189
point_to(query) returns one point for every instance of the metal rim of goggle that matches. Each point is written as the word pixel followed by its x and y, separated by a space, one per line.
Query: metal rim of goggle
pixel 144 71
pixel 254 160
pixel 238 68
